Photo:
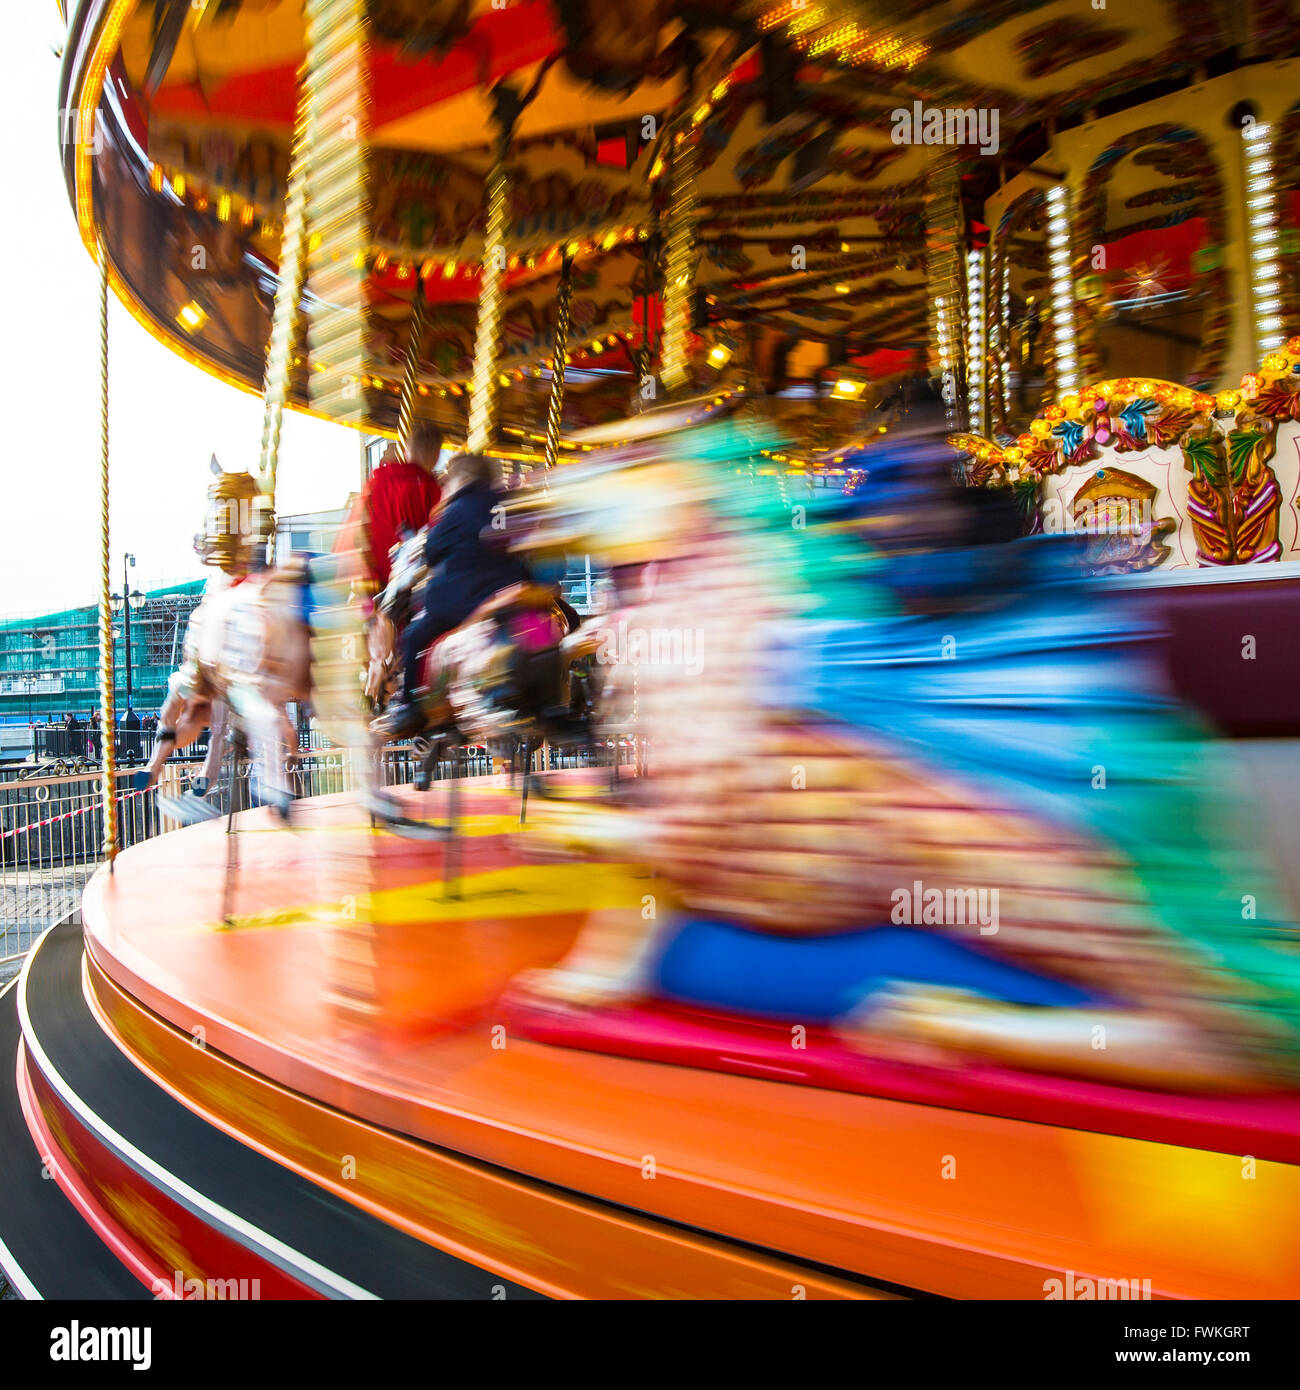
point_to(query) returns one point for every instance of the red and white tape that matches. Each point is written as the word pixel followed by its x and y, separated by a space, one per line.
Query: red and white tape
pixel 67 815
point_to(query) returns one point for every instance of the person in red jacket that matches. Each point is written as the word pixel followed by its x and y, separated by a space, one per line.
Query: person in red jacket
pixel 398 496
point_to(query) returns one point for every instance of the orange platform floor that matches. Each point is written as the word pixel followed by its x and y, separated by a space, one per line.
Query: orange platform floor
pixel 350 974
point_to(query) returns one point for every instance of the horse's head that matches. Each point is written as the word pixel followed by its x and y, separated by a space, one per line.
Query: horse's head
pixel 237 519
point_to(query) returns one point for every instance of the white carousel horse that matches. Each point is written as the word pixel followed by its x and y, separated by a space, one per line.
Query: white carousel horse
pixel 247 657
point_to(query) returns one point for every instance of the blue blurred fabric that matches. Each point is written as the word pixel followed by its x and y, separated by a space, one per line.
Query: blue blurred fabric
pixel 1026 698
pixel 815 979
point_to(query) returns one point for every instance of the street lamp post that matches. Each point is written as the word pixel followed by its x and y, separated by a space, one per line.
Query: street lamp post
pixel 124 602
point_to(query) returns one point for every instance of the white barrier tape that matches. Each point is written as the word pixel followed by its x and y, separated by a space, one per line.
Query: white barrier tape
pixel 65 815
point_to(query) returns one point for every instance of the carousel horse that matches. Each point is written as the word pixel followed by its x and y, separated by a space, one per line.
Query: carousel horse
pixel 517 671
pixel 181 722
pixel 247 657
pixel 925 793
pixel 262 639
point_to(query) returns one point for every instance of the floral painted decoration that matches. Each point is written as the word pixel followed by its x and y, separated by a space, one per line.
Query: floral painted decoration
pixel 1131 413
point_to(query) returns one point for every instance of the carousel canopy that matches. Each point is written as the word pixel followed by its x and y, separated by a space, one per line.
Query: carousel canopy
pixel 812 207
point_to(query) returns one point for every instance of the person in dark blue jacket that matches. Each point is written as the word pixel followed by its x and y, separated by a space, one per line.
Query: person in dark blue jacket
pixel 465 568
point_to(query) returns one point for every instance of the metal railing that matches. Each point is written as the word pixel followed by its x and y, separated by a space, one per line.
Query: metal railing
pixel 133 746
pixel 52 828
pixel 51 839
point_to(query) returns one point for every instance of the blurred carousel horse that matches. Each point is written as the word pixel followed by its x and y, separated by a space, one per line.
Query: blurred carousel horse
pixel 516 672
pixel 260 640
pixel 883 721
pixel 247 657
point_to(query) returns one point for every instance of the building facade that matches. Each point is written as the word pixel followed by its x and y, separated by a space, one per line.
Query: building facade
pixel 49 664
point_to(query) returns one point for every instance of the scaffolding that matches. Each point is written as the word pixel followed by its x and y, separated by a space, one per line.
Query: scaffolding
pixel 49 663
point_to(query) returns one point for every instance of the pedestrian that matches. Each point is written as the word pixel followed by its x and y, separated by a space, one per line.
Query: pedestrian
pixel 73 739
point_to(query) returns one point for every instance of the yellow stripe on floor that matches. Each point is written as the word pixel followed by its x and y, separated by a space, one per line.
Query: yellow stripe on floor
pixel 525 890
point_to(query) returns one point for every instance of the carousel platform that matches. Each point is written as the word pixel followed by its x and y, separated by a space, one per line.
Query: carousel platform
pixel 319 1083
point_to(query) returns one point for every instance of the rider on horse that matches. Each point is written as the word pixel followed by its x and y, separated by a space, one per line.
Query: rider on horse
pixel 465 568
pixel 399 497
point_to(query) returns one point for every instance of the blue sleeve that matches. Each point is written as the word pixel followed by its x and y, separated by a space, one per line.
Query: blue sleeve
pixel 444 535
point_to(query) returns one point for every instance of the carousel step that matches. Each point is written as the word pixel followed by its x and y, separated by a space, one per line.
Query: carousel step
pixel 46 1249
pixel 311 1242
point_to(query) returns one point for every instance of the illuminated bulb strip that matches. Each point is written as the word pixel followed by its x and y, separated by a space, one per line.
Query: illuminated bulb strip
pixel 1004 336
pixel 680 265
pixel 92 87
pixel 944 333
pixel 1065 352
pixel 1265 284
pixel 338 204
pixel 975 340
pixel 826 29
pixel 944 273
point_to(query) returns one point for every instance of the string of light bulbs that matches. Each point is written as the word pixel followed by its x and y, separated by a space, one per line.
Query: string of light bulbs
pixel 975 340
pixel 1262 235
pixel 1065 350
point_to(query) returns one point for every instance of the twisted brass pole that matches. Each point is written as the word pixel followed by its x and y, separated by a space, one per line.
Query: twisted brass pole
pixel 108 721
pixel 482 406
pixel 406 407
pixel 555 410
pixel 680 258
pixel 288 294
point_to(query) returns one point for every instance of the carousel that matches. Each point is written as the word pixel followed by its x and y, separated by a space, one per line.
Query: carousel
pixel 627 1029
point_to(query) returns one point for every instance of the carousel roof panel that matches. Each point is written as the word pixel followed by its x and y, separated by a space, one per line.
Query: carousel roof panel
pixel 811 222
pixel 1033 58
pixel 230 72
pixel 236 62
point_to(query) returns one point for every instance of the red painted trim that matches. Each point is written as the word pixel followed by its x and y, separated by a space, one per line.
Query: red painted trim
pixel 87 1168
pixel 77 1191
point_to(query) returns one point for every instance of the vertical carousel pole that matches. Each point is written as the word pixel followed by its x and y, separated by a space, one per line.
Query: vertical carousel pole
pixel 681 257
pixel 555 410
pixel 482 407
pixel 1060 256
pixel 945 276
pixel 284 323
pixel 406 407
pixel 643 358
pixel 336 156
pixel 338 216
pixel 108 721
pixel 338 205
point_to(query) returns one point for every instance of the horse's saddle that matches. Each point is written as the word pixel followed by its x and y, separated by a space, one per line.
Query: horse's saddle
pixel 406 577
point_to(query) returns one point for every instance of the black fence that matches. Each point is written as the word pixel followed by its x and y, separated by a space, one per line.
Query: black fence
pixel 52 743
pixel 132 746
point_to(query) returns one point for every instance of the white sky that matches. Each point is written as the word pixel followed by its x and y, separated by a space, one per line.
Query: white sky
pixel 166 417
